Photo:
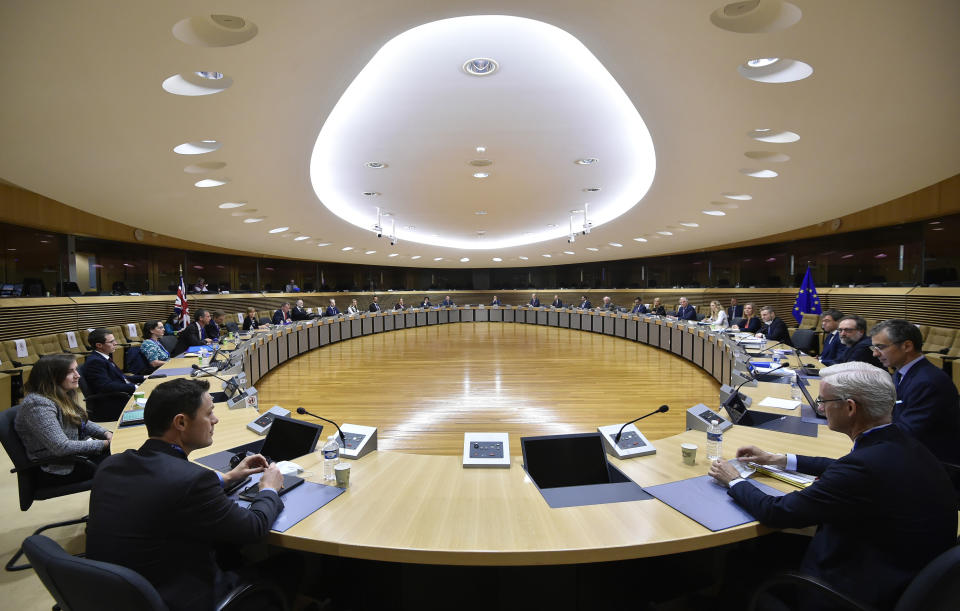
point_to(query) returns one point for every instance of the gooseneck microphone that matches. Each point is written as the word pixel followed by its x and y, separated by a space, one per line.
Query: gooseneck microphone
pixel 231 383
pixel 736 393
pixel 662 408
pixel 302 411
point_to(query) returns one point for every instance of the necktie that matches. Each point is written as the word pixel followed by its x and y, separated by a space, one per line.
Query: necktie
pixel 897 378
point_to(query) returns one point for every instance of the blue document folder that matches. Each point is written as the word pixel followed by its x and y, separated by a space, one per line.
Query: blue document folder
pixel 706 501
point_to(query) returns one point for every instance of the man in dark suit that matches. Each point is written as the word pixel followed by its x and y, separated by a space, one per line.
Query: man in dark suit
pixel 195 334
pixel 154 511
pixel 332 309
pixel 496 301
pixel 534 301
pixel 833 348
pixel 375 304
pixel 884 510
pixel 557 302
pixel 928 407
pixel 685 311
pixel 298 312
pixel 584 302
pixel 215 326
pixel 773 328
pixel 638 307
pixel 734 311
pixel 397 306
pixel 608 304
pixel 426 302
pixel 853 334
pixel 447 302
pixel 102 375
pixel 282 315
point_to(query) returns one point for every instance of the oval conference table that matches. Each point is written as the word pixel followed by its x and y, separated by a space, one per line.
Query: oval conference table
pixel 428 509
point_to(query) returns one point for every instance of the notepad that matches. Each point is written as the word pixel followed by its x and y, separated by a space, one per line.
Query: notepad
pixel 779 403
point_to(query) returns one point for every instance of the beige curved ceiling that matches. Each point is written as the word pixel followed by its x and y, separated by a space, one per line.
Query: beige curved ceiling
pixel 85 120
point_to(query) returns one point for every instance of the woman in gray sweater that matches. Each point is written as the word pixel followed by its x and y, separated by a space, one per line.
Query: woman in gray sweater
pixel 51 422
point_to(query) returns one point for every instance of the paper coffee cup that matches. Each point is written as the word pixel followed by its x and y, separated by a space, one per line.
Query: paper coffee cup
pixel 342 472
pixel 689 452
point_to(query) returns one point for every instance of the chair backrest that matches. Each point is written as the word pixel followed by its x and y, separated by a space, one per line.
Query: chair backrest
pixel 265 320
pixel 805 340
pixel 939 338
pixel 169 342
pixel 809 321
pixel 65 343
pixel 80 584
pixel 936 587
pixel 26 478
pixel 135 362
pixel 46 344
pixel 30 356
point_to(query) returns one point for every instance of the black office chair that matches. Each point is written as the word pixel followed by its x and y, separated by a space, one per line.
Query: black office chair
pixel 232 327
pixel 28 487
pixel 805 340
pixel 265 320
pixel 935 588
pixel 81 584
pixel 104 407
pixel 169 342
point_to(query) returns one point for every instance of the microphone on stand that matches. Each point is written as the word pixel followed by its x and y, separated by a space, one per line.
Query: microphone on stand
pixel 231 383
pixel 736 393
pixel 662 408
pixel 302 411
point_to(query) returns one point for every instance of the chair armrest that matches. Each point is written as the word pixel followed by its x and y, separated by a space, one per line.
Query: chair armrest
pixel 76 458
pixel 809 584
pixel 116 394
pixel 941 351
pixel 244 592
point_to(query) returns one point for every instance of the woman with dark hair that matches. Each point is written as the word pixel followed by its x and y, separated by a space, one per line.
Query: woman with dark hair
pixel 51 422
pixel 151 348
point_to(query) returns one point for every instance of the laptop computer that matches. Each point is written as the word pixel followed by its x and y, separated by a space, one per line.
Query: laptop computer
pixel 288 438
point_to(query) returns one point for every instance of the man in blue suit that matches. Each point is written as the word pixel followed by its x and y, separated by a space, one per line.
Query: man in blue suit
pixel 447 302
pixel 833 348
pixel 638 307
pixel 282 315
pixel 734 311
pixel 496 301
pixel 685 311
pixel 884 510
pixel 773 328
pixel 928 407
pixel 534 301
pixel 102 375
pixel 332 309
pixel 584 302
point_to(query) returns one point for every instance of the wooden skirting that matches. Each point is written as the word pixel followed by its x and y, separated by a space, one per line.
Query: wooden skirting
pixel 26 317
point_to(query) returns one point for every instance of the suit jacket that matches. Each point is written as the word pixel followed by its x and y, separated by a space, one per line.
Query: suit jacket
pixel 212 330
pixel 861 351
pixel 447 303
pixel 103 376
pixel 639 309
pixel 331 311
pixel 660 310
pixel 396 306
pixel 585 304
pixel 192 335
pixel 928 408
pixel 535 303
pixel 280 318
pixel 687 313
pixel 161 515
pixel 884 511
pixel 751 326
pixel 298 313
pixel 734 312
pixel 495 302
pixel 776 331
pixel 250 323
pixel 426 303
pixel 833 349
pixel 374 307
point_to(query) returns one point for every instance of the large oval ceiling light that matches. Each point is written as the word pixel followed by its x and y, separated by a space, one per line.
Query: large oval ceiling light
pixel 194 84
pixel 198 147
pixel 775 70
pixel 599 122
pixel 480 66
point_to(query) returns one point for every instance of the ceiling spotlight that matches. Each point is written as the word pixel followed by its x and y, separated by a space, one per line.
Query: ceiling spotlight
pixel 254 219
pixel 415 257
pixel 640 239
pixel 522 258
pixel 737 196
pixel 576 212
pixel 616 244
pixel 481 163
pixel 438 258
pixel 592 249
pixel 375 165
pixel 665 232
pixel 480 175
pixel 547 256
pixel 278 229
pixel 464 259
pixel 762 62
pixel 370 252
pixel 690 224
pixel 209 182
pixel 410 227
pixel 229 205
pixel 587 161
pixel 551 225
pixel 393 254
pixel 480 212
pixel 301 238
pixel 210 75
pixel 323 243
pixel 568 252
pixel 371 193
pixel 715 212
pixel 346 248
pixel 481 149
pixel 480 66
pixel 497 259
pixel 209 141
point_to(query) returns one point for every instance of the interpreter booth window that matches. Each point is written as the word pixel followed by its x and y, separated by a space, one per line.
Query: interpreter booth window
pixel 32 261
pixel 247 281
pixel 942 262
pixel 214 268
pixel 113 268
pixel 888 256
pixel 275 274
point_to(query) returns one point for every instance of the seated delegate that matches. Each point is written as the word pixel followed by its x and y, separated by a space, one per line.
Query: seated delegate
pixel 151 348
pixel 195 334
pixel 250 321
pixel 51 422
pixel 102 375
pixel 749 323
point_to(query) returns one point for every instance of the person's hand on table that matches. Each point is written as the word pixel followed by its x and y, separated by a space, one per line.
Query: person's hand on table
pixel 272 478
pixel 723 472
pixel 255 463
pixel 755 454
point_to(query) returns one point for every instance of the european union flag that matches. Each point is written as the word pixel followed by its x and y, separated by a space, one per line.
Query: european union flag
pixel 807 300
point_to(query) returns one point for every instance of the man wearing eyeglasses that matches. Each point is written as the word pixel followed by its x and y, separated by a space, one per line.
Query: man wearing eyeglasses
pixel 853 334
pixel 103 377
pixel 928 406
pixel 884 510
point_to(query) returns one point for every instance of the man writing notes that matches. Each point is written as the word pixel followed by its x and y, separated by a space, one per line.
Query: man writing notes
pixel 154 511
pixel 928 407
pixel 883 511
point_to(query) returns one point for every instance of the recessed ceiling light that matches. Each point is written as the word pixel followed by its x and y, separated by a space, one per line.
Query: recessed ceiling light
pixel 762 130
pixel 247 212
pixel 850 256
pixel 738 196
pixel 481 163
pixel 346 248
pixel 762 61
pixel 464 259
pixel 480 175
pixel 481 149
pixel 935 222
pixel 480 212
pixel 665 232
pixel 758 173
pixel 690 224
pixel 576 212
pixel 715 212
pixel 768 135
pixel 591 189
pixel 480 66
pixel 278 229
pixel 323 243
pixel 254 219
pixel 881 255
pixel 771 259
pixel 640 239
pixel 497 259
pixel 438 258
pixel 370 252
pixel 210 182
pixel 393 254
pixel 301 238
pixel 937 229
pixel 481 233
pixel 415 257
pixel 209 74
pixel 522 258
pixel 371 193
pixel 375 165
pixel 568 252
pixel 551 224
pixel 197 148
pixel 587 161
pixel 616 244
pixel 547 255
pixel 229 205
pixel 590 248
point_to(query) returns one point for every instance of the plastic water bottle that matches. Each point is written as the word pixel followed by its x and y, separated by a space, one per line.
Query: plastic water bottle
pixel 331 456
pixel 795 390
pixel 714 441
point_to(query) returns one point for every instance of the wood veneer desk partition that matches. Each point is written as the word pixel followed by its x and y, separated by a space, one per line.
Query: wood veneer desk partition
pixel 428 509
